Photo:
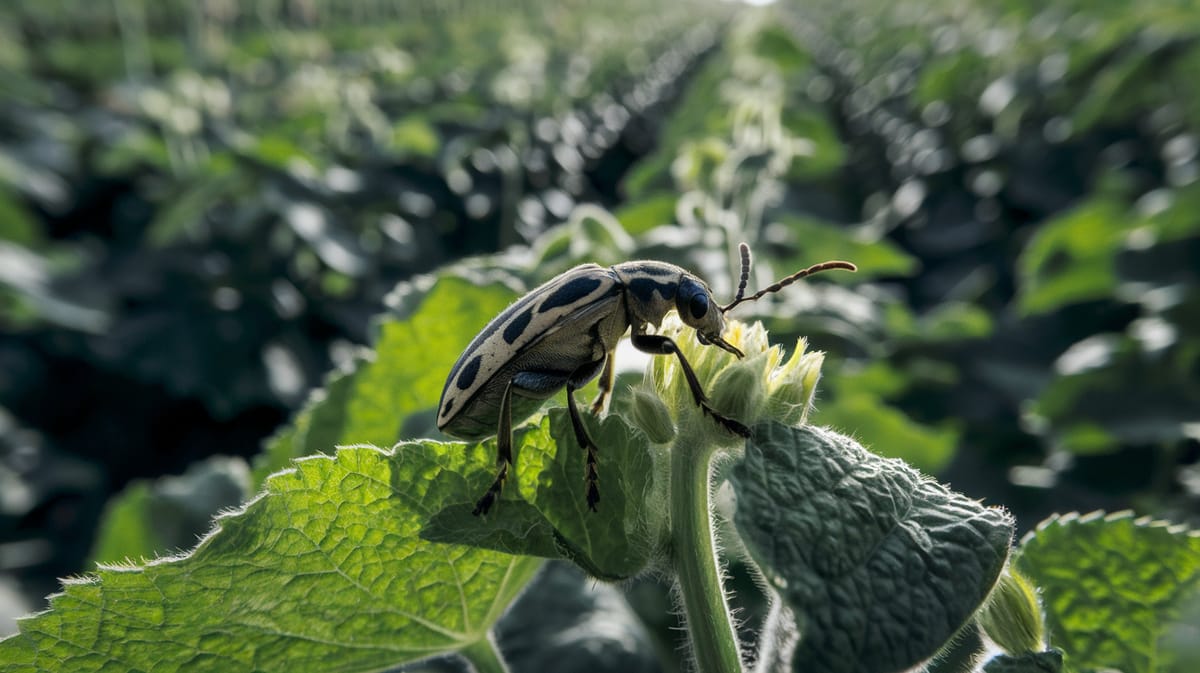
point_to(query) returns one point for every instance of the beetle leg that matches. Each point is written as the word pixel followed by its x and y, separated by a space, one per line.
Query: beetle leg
pixel 593 491
pixel 606 385
pixel 656 344
pixel 503 453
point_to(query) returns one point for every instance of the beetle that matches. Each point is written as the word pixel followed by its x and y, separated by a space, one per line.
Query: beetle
pixel 563 334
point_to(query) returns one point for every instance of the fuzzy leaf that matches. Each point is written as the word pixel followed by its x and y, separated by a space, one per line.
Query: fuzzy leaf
pixel 543 511
pixel 881 565
pixel 326 566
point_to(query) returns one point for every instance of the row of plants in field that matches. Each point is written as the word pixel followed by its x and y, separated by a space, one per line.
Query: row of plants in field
pixel 1040 162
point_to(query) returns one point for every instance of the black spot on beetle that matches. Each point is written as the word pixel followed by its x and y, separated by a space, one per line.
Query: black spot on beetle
pixel 469 371
pixel 571 292
pixel 517 327
pixel 446 407
pixel 643 289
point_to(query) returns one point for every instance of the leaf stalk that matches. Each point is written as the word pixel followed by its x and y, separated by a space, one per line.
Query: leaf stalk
pixel 694 552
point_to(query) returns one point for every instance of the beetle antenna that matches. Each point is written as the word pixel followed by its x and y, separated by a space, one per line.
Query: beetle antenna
pixel 745 251
pixel 815 268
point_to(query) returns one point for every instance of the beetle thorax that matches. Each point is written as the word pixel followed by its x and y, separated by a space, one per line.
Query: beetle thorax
pixel 653 289
pixel 650 289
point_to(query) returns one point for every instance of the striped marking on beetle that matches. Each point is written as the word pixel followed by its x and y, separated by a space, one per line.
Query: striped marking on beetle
pixel 643 289
pixel 543 311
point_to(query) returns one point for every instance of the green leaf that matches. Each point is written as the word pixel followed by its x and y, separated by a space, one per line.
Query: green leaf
pixel 955 320
pixel 318 428
pixel 182 212
pixel 130 151
pixel 881 565
pixel 1088 409
pixel 543 510
pixel 1112 585
pixel 281 153
pixel 167 515
pixel 1177 220
pixel 959 77
pixel 326 566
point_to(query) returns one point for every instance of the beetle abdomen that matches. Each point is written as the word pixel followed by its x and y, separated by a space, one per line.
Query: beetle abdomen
pixel 480 416
pixel 476 383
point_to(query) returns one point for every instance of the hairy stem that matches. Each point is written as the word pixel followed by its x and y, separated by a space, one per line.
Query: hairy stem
pixel 694 551
pixel 484 656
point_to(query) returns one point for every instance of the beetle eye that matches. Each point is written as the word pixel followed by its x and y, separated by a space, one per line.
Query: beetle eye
pixel 698 306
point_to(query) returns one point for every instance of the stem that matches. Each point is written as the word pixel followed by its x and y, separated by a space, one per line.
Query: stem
pixel 484 656
pixel 694 550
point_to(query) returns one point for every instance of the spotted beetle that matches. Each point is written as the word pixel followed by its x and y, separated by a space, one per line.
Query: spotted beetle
pixel 563 333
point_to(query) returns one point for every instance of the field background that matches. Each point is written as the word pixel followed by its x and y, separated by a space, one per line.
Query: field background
pixel 205 206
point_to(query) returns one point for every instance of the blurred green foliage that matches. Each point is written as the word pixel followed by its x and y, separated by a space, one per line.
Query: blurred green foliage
pixel 204 205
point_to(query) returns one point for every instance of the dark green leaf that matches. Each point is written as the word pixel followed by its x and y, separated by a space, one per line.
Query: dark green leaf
pixel 569 623
pixel 1071 258
pixel 17 225
pixel 881 565
pixel 544 509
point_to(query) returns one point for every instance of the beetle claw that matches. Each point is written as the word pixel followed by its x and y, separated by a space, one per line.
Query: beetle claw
pixel 726 346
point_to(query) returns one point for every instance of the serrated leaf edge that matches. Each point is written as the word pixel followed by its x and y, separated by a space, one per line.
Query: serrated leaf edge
pixel 1145 521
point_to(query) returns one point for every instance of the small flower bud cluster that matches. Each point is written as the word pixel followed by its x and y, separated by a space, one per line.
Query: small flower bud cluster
pixel 761 386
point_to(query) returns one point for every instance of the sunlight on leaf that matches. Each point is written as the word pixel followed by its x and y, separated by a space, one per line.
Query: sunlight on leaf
pixel 336 535
pixel 1112 585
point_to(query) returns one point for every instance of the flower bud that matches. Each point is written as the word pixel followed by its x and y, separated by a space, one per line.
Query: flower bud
pixel 738 390
pixel 1012 617
pixel 792 385
pixel 650 414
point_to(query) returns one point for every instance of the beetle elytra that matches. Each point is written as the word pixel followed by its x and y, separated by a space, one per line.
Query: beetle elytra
pixel 563 334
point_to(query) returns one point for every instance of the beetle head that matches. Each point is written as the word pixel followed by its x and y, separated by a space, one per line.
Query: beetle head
pixel 699 310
